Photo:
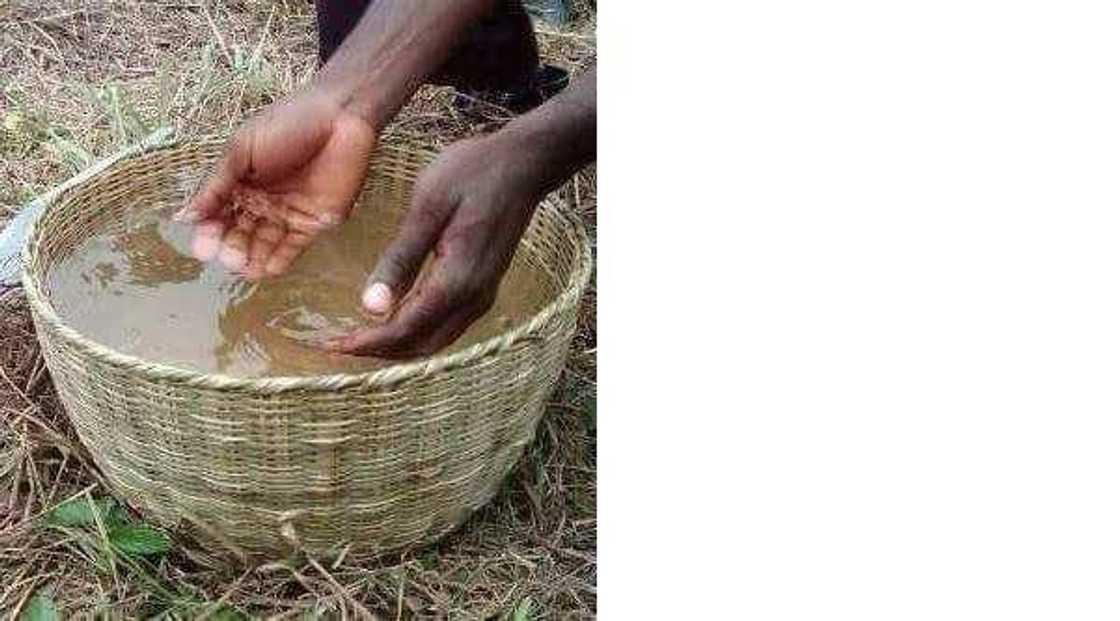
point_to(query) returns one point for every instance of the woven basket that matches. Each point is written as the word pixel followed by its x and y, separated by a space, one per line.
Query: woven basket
pixel 381 460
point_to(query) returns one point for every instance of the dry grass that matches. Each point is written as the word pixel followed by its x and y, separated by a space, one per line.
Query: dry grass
pixel 78 80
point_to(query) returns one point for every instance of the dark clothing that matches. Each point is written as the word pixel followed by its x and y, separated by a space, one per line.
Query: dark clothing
pixel 497 55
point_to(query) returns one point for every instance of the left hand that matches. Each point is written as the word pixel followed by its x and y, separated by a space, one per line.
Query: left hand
pixel 286 176
pixel 469 208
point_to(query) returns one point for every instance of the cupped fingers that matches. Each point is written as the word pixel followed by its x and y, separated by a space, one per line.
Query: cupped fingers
pixel 286 251
pixel 235 250
pixel 311 223
pixel 441 310
pixel 266 238
pixel 406 339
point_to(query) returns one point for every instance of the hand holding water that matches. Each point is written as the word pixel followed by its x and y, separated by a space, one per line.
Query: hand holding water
pixel 291 173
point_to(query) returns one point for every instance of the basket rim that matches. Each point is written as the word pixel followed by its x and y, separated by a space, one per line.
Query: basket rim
pixel 393 374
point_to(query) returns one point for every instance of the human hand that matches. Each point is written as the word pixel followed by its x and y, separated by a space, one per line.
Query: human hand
pixel 469 210
pixel 290 173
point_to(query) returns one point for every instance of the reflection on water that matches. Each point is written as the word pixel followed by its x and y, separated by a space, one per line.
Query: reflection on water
pixel 139 291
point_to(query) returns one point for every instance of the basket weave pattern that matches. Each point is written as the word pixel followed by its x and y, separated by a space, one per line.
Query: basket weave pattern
pixel 381 460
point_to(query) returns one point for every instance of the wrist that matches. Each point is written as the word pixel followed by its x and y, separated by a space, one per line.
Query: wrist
pixel 395 46
pixel 349 101
pixel 557 139
pixel 523 156
pixel 542 156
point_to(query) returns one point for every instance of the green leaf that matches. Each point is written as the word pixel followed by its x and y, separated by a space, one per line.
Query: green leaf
pixel 79 512
pixel 523 610
pixel 225 613
pixel 117 516
pixel 39 608
pixel 139 540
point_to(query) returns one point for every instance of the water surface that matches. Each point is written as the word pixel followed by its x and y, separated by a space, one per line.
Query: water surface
pixel 138 290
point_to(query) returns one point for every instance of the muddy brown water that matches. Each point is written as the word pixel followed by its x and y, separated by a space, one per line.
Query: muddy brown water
pixel 138 290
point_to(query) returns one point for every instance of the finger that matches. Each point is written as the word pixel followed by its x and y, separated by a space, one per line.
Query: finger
pixel 399 340
pixel 272 207
pixel 443 306
pixel 209 201
pixel 308 223
pixel 416 319
pixel 451 330
pixel 207 239
pixel 398 265
pixel 218 188
pixel 265 240
pixel 286 252
pixel 235 249
pixel 445 334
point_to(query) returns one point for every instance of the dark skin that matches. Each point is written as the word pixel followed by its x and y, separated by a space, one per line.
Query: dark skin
pixel 298 167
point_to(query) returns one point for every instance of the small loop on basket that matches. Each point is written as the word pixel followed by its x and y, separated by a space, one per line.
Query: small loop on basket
pixel 288 532
pixel 288 528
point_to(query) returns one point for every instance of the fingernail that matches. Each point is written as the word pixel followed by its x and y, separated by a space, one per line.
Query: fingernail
pixel 205 248
pixel 328 219
pixel 232 258
pixel 276 265
pixel 378 299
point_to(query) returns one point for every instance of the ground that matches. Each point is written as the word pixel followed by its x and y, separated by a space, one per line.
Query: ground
pixel 80 79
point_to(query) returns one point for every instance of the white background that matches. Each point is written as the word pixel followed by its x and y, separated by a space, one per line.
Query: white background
pixel 859 346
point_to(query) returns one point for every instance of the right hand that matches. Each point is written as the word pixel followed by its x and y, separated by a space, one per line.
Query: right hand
pixel 469 210
pixel 287 175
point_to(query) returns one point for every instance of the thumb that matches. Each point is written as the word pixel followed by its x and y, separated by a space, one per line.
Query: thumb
pixel 218 188
pixel 399 264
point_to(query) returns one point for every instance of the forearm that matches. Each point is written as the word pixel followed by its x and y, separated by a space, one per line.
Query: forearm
pixel 559 137
pixel 393 49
